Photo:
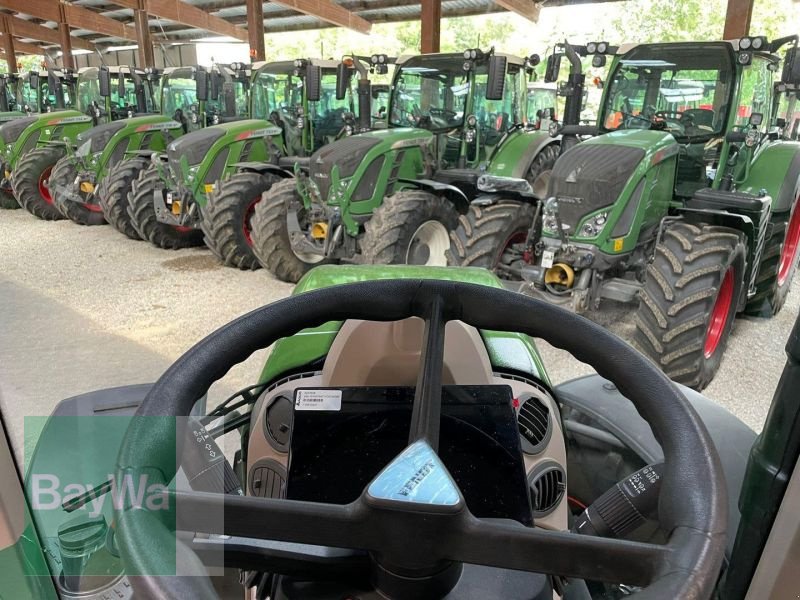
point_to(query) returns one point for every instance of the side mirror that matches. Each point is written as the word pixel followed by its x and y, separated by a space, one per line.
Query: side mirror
pixel 780 123
pixel 343 75
pixel 791 67
pixel 756 119
pixel 553 67
pixel 34 81
pixel 314 83
pixel 201 84
pixel 496 80
pixel 215 88
pixel 104 80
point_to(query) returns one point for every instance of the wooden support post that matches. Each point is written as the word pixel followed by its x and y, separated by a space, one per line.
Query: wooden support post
pixel 255 30
pixel 67 60
pixel 431 17
pixel 737 19
pixel 146 55
pixel 8 45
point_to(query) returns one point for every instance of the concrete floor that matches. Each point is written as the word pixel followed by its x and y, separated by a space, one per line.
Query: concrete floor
pixel 85 308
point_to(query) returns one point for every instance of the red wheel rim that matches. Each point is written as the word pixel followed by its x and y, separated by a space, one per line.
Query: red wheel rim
pixel 93 207
pixel 44 192
pixel 248 217
pixel 719 315
pixel 790 246
pixel 183 229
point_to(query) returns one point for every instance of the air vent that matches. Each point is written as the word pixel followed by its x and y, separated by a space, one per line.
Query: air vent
pixel 534 424
pixel 548 483
pixel 267 479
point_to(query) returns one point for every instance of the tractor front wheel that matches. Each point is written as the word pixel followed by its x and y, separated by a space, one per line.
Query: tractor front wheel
pixel 142 213
pixel 689 301
pixel 30 182
pixel 492 237
pixel 113 194
pixel 227 218
pixel 82 213
pixel 539 172
pixel 778 265
pixel 270 234
pixel 411 227
pixel 8 200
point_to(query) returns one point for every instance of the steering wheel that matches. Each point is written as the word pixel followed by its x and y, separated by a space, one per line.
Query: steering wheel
pixel 445 114
pixel 692 503
pixel 681 119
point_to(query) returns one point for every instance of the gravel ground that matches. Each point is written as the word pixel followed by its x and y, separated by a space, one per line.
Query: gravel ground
pixel 83 308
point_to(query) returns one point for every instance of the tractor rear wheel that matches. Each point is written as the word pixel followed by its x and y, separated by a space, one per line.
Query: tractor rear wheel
pixel 113 194
pixel 270 234
pixel 411 227
pixel 86 213
pixel 538 174
pixel 491 237
pixel 778 265
pixel 143 216
pixel 228 215
pixel 30 182
pixel 8 200
pixel 689 301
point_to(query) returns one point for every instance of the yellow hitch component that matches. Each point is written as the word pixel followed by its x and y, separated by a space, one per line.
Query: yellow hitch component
pixel 560 274
pixel 319 231
pixel 176 207
pixel 208 187
pixel 8 174
pixel 87 187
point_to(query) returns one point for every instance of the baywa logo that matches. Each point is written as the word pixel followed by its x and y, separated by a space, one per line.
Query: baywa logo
pixel 48 492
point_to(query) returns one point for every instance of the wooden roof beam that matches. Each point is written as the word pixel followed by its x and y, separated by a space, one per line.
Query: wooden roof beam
pixel 76 16
pixel 524 8
pixel 330 12
pixel 26 29
pixel 25 48
pixel 186 14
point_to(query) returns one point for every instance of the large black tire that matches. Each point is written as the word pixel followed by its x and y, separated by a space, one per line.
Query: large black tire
pixel 778 265
pixel 538 174
pixel 113 194
pixel 410 227
pixel 270 234
pixel 485 235
pixel 64 174
pixel 143 216
pixel 30 182
pixel 228 215
pixel 689 301
pixel 8 200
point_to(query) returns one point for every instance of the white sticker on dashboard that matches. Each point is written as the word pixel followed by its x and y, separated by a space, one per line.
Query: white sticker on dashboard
pixel 318 400
pixel 548 256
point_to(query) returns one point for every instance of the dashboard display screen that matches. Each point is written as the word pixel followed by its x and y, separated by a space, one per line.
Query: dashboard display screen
pixel 343 437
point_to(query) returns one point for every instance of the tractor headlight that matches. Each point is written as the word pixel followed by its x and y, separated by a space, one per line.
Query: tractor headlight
pixel 194 118
pixel 549 215
pixel 300 122
pixel 215 120
pixel 85 149
pixel 591 47
pixel 469 136
pixel 594 226
pixel 602 47
pixel 745 43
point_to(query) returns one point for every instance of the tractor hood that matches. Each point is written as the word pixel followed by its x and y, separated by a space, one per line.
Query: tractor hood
pixel 348 153
pixel 592 174
pixel 99 136
pixel 10 131
pixel 194 145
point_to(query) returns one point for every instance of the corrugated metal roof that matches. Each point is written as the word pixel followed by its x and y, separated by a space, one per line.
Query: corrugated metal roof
pixel 276 17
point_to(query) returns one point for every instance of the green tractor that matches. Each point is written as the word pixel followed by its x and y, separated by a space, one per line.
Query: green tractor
pixel 787 112
pixel 77 182
pixel 39 142
pixel 392 195
pixel 228 213
pixel 687 204
pixel 294 110
pixel 33 92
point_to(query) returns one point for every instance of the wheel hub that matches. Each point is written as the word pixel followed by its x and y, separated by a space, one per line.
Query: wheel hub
pixel 44 191
pixel 428 245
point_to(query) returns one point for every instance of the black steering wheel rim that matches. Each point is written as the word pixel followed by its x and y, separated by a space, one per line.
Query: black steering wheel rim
pixel 693 513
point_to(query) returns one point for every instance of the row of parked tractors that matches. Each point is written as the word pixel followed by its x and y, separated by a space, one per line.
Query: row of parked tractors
pixel 678 194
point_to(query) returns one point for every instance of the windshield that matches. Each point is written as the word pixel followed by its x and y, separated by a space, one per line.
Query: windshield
pixel 431 90
pixel 684 90
pixel 328 105
pixel 89 91
pixel 228 97
pixel 178 92
pixel 275 92
pixel 539 101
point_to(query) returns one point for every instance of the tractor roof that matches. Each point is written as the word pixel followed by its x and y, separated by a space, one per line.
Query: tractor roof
pixel 512 59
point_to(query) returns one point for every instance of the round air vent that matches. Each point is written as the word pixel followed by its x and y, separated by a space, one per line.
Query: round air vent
pixel 548 484
pixel 534 423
